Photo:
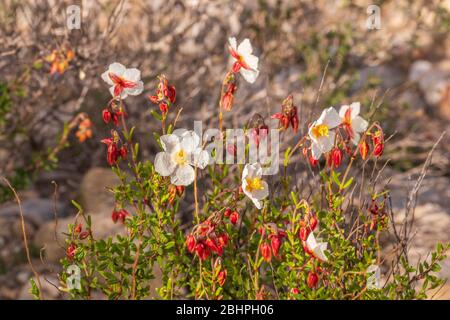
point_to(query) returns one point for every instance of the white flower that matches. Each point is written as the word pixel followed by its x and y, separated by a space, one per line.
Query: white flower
pixel 322 137
pixel 354 125
pixel 246 63
pixel 179 155
pixel 253 186
pixel 317 249
pixel 123 81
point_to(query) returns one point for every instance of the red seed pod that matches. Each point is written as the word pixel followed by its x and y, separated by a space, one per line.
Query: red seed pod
pixel 364 149
pixel 190 243
pixel 222 276
pixel 312 280
pixel 234 217
pixel 265 251
pixel 275 243
pixel 106 114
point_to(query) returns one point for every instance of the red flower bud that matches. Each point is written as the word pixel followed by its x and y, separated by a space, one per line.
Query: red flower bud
pixel 223 240
pixel 275 243
pixel 83 235
pixel 363 149
pixel 106 116
pixel 180 190
pixel 304 233
pixel 313 223
pixel 170 93
pixel 227 212
pixel 222 277
pixel 211 244
pixel 202 251
pixel 313 161
pixel 312 280
pixel 378 150
pixel 115 216
pixel 234 217
pixel 336 157
pixel 190 243
pixel 295 291
pixel 265 251
pixel 78 228
pixel 123 152
pixel 70 252
pixel 163 108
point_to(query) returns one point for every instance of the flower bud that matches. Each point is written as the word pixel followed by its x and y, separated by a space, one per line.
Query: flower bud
pixel 275 243
pixel 70 252
pixel 222 277
pixel 106 115
pixel 336 157
pixel 313 223
pixel 363 149
pixel 227 212
pixel 312 280
pixel 190 243
pixel 378 150
pixel 234 217
pixel 265 252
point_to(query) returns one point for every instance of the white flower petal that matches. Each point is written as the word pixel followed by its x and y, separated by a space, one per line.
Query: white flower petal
pixel 200 158
pixel 189 141
pixel 233 43
pixel 355 106
pixel 330 117
pixel 356 137
pixel 106 78
pixel 326 143
pixel 252 170
pixel 245 48
pixel 132 74
pixel 257 203
pixel 117 68
pixel 170 143
pixel 359 124
pixel 343 111
pixel 164 164
pixel 319 251
pixel 183 175
pixel 316 151
pixel 249 75
pixel 252 61
pixel 136 90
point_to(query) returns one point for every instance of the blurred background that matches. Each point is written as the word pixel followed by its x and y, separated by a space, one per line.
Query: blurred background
pixel 402 67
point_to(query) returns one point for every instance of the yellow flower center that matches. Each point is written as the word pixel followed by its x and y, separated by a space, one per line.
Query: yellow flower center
pixel 320 130
pixel 254 184
pixel 180 157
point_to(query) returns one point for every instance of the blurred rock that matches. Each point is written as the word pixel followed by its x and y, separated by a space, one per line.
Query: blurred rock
pixel 93 189
pixel 35 211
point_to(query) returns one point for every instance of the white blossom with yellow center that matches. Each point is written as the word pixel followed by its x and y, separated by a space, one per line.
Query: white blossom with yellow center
pixel 317 248
pixel 253 186
pixel 321 133
pixel 181 153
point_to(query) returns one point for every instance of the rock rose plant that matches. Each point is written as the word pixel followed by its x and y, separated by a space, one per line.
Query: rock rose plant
pixel 242 235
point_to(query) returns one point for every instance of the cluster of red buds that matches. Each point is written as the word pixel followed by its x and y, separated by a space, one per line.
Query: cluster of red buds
pixel 377 142
pixel 165 94
pixel 232 215
pixel 205 238
pixel 114 151
pixel 271 243
pixel 288 115
pixel 113 114
pixel 119 215
pixel 78 231
pixel 175 191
